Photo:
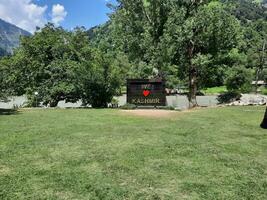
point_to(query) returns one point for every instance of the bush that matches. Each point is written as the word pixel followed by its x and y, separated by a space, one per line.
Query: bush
pixel 264 91
pixel 229 97
pixel 99 81
pixel 263 75
pixel 239 79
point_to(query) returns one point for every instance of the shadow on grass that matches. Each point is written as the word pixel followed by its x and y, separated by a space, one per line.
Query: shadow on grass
pixel 8 111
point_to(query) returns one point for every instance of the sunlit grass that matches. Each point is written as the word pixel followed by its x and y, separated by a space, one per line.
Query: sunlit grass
pixel 103 154
pixel 215 90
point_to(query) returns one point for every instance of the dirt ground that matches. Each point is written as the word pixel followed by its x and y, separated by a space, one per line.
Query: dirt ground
pixel 150 113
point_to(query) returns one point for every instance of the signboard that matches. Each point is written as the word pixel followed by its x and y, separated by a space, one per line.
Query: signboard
pixel 145 92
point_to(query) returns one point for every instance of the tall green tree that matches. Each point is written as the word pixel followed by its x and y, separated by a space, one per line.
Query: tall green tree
pixel 46 62
pixel 256 47
pixel 63 66
pixel 192 35
pixel 99 80
pixel 208 33
pixel 12 81
pixel 5 76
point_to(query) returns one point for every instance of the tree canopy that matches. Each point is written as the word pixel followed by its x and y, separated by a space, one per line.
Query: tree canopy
pixel 189 38
pixel 199 43
pixel 58 64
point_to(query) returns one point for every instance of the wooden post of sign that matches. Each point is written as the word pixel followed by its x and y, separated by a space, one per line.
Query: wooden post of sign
pixel 264 122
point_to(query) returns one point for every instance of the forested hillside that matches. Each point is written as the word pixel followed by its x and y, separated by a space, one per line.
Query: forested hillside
pixel 9 37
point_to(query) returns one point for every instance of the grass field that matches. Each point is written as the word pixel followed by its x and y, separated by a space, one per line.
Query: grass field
pixel 215 90
pixel 102 154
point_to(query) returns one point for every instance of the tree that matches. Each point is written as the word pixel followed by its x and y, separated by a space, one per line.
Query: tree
pixel 45 62
pixel 102 40
pixel 10 82
pixel 99 80
pixel 4 79
pixel 247 10
pixel 239 79
pixel 206 34
pixel 256 47
pixel 165 34
pixel 63 66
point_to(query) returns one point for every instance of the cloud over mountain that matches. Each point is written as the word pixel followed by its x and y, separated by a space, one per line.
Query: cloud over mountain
pixel 27 14
pixel 23 13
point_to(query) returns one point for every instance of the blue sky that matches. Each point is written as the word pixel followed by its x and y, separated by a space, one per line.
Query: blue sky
pixel 86 13
pixel 28 14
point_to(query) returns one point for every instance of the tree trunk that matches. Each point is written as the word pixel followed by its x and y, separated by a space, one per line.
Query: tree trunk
pixel 192 95
pixel 264 122
pixel 260 67
pixel 257 81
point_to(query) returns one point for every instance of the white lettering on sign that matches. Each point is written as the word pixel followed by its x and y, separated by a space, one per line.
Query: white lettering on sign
pixel 145 101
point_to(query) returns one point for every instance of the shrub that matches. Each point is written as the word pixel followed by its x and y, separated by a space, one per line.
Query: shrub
pixel 99 81
pixel 264 91
pixel 239 79
pixel 229 97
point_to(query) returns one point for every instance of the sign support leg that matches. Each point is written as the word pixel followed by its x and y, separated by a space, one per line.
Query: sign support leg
pixel 264 122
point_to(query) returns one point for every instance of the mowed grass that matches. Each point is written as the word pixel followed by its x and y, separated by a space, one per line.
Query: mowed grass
pixel 102 154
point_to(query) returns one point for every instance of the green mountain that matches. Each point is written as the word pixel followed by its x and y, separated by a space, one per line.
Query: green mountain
pixel 9 37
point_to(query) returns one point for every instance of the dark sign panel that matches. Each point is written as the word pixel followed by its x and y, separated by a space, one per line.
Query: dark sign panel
pixel 145 92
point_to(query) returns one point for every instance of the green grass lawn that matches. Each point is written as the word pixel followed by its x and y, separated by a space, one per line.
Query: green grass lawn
pixel 215 90
pixel 101 154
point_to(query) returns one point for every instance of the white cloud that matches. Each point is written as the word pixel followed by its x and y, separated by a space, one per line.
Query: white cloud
pixel 58 14
pixel 23 13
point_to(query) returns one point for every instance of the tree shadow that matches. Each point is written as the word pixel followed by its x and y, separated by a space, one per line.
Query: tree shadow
pixel 8 111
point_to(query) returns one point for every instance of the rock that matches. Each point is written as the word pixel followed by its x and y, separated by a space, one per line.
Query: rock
pixel 250 99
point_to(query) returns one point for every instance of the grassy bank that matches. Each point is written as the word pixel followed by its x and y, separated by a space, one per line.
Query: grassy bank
pixel 103 154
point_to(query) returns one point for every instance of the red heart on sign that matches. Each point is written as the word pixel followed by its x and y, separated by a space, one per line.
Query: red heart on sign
pixel 146 93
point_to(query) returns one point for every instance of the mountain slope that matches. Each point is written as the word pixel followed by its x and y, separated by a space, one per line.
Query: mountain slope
pixel 9 37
